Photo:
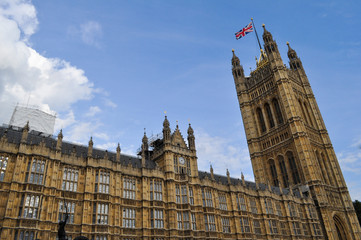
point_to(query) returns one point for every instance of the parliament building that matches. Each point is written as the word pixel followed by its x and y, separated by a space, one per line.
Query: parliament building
pixel 299 190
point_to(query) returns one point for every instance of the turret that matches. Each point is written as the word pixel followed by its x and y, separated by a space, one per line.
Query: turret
pixel 271 48
pixel 294 60
pixel 24 136
pixel 238 73
pixel 60 140
pixel 166 130
pixel 90 147
pixel 191 138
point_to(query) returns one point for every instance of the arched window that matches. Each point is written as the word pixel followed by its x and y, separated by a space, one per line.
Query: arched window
pixel 303 111
pixel 272 166
pixel 261 119
pixel 293 167
pixel 324 174
pixel 278 111
pixel 328 169
pixel 269 115
pixel 308 113
pixel 341 233
pixel 282 164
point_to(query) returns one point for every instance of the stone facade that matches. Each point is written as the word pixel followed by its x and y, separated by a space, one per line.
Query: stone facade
pixel 161 194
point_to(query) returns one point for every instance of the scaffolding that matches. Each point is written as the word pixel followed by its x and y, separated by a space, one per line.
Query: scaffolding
pixel 38 120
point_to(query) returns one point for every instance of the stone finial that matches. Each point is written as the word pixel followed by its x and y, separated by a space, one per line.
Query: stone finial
pixel 166 129
pixel 90 147
pixel 145 142
pixel 243 181
pixel 60 140
pixel 191 138
pixel 212 174
pixel 118 153
pixel 228 177
pixel 24 136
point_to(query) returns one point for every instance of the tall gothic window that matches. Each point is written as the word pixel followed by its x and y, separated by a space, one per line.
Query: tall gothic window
pixel 253 206
pixel 303 111
pixel 70 210
pixel 207 198
pixel 183 220
pixel 282 164
pixel 35 171
pixel 128 218
pixel 268 205
pixel 261 120
pixel 70 179
pixel 293 166
pixel 3 164
pixel 100 213
pixel 156 218
pixel 210 222
pixel 156 190
pixel 226 227
pixel 191 196
pixel 241 202
pixel 308 113
pixel 222 201
pixel 31 206
pixel 244 221
pixel 129 188
pixel 272 166
pixel 269 115
pixel 278 111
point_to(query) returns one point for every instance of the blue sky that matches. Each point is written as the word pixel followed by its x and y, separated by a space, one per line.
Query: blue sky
pixel 110 69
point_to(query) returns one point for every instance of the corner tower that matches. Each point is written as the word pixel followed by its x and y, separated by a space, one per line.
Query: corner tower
pixel 287 138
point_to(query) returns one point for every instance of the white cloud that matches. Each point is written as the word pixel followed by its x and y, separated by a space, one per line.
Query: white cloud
pixel 92 111
pixel 49 83
pixel 90 33
pixel 223 154
pixel 109 103
pixel 110 146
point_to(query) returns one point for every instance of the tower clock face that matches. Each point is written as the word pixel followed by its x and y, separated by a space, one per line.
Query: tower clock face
pixel 181 160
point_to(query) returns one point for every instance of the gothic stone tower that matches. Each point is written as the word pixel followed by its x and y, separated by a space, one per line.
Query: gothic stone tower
pixel 287 138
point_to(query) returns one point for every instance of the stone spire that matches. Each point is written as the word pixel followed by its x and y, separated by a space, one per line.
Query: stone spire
pixel 191 138
pixel 24 136
pixel 90 147
pixel 294 60
pixel 118 153
pixel 60 140
pixel 166 130
pixel 238 73
pixel 144 148
pixel 145 142
pixel 212 174
pixel 228 177
pixel 271 48
pixel 243 181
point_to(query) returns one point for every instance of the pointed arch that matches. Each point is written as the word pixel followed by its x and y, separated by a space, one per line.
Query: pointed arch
pixel 281 163
pixel 269 115
pixel 323 170
pixel 261 120
pixel 277 110
pixel 272 166
pixel 340 228
pixel 329 169
pixel 308 113
pixel 293 167
pixel 303 111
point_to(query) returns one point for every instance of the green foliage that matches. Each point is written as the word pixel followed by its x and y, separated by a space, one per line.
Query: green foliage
pixel 357 206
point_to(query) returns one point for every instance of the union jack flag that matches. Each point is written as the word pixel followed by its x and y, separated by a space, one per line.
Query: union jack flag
pixel 247 29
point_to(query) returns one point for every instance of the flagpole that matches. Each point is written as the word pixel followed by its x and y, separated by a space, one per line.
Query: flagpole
pixel 256 34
